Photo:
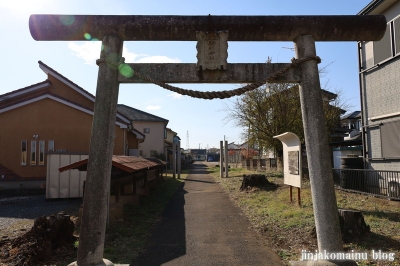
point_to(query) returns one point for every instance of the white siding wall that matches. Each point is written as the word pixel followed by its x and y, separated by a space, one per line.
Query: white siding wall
pixel 68 184
pixel 381 96
pixel 154 140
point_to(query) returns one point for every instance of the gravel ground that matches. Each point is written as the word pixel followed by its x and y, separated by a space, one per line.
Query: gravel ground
pixel 18 213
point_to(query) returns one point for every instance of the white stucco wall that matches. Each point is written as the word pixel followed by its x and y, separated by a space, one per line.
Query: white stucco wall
pixel 154 140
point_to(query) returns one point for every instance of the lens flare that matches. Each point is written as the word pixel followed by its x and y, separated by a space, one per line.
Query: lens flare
pixel 125 70
pixel 87 36
pixel 67 19
pixel 113 60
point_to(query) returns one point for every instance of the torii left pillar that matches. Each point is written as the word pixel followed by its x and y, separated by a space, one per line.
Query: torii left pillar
pixel 94 218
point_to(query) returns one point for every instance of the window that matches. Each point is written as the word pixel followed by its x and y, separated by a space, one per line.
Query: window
pixel 389 45
pixel 390 137
pixel 383 48
pixel 146 130
pixel 140 153
pixel 24 151
pixel 41 152
pixel 51 145
pixel 33 152
pixel 396 30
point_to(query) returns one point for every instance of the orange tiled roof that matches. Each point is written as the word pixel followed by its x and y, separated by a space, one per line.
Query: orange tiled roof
pixel 156 160
pixel 128 164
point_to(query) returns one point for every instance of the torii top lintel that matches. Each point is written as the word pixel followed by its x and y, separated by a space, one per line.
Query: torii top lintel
pixel 183 28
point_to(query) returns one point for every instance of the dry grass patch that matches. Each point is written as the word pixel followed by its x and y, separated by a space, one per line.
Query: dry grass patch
pixel 288 228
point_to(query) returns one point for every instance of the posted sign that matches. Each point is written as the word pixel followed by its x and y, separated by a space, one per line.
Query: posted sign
pixel 292 166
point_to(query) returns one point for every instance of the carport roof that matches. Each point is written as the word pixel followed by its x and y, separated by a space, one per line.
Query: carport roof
pixel 127 164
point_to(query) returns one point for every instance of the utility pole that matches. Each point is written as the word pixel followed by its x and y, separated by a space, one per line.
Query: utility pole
pixel 226 158
pixel 187 140
pixel 221 159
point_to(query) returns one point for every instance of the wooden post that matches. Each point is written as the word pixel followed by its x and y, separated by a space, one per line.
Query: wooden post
pixel 298 196
pixel 173 159
pixel 290 193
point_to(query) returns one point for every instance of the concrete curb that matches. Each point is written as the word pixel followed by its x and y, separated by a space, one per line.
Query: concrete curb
pixel 105 263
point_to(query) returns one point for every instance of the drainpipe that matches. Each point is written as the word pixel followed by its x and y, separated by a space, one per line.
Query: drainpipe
pixel 363 116
pixel 125 149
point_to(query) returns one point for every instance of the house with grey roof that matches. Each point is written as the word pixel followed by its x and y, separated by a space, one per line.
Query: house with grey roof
pixel 379 68
pixel 152 126
pixel 351 122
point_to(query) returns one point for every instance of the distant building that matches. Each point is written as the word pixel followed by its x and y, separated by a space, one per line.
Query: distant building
pixel 168 149
pixel 153 127
pixel 233 146
pixel 198 154
pixel 352 122
pixel 213 154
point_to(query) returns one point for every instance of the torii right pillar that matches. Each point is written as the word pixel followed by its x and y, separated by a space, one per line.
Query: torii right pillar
pixel 316 140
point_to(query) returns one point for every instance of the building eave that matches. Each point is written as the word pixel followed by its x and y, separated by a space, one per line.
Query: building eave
pixel 138 134
pixel 57 99
pixel 34 87
pixel 48 70
pixel 376 7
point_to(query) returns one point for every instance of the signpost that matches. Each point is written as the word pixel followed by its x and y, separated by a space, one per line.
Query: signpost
pixel 292 162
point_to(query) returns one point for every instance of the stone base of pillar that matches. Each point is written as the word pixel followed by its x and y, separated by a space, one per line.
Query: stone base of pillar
pixel 324 263
pixel 105 263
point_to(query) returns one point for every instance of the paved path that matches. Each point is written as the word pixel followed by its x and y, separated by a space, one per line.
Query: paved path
pixel 202 226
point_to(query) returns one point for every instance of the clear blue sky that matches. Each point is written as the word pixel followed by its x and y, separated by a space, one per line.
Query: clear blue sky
pixel 203 119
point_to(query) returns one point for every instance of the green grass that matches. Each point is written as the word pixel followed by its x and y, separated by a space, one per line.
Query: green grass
pixel 287 227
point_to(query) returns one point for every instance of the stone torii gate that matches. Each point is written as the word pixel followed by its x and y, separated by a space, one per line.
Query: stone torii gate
pixel 213 31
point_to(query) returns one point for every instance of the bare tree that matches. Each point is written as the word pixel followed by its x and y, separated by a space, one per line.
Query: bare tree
pixel 274 109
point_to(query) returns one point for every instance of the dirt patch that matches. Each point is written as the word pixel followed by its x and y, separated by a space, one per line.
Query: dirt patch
pixel 50 238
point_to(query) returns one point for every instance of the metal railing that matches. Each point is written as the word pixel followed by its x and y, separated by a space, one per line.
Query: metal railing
pixel 374 182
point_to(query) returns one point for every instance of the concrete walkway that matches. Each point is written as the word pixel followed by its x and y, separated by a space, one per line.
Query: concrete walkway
pixel 202 226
